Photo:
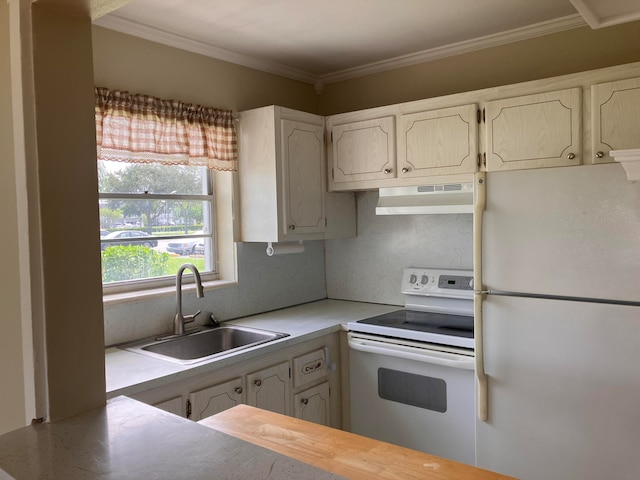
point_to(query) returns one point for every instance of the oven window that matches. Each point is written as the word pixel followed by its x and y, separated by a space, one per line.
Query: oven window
pixel 411 389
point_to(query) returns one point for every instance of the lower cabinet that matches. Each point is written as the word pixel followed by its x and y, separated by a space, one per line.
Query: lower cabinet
pixel 215 399
pixel 301 381
pixel 270 389
pixel 172 405
pixel 313 404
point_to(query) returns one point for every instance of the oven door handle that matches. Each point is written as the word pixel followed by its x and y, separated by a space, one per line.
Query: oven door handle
pixel 412 353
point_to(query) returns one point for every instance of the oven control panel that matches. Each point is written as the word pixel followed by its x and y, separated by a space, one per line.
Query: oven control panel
pixel 429 281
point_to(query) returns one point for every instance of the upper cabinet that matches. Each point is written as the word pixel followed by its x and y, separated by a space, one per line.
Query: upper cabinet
pixel 287 156
pixel 363 151
pixel 615 117
pixel 534 131
pixel 401 148
pixel 438 142
pixel 282 179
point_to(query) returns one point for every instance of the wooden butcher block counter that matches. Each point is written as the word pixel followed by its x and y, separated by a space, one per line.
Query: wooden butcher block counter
pixel 342 453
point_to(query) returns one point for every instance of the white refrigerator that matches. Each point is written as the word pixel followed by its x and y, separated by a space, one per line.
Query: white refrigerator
pixel 561 324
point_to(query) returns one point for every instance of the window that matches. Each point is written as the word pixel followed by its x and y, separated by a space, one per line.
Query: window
pixel 154 218
pixel 165 189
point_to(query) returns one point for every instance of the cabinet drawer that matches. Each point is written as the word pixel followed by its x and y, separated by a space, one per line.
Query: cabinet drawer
pixel 309 367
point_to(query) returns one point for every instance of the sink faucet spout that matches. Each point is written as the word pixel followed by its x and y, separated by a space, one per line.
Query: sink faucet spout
pixel 180 320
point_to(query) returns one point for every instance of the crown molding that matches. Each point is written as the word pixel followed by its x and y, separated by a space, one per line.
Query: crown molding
pixel 588 11
pixel 146 32
pixel 503 38
pixel 122 25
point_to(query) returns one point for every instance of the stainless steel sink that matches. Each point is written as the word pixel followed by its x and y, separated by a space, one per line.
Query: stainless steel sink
pixel 204 345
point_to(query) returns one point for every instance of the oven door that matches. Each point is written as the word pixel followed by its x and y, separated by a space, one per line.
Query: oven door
pixel 406 394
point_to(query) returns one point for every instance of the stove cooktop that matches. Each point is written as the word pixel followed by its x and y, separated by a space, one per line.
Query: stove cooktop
pixel 446 329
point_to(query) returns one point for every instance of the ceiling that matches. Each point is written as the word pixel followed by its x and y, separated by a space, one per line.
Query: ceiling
pixel 325 41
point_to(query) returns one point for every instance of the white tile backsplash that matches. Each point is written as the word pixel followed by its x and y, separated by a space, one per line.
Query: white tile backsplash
pixel 265 283
pixel 368 268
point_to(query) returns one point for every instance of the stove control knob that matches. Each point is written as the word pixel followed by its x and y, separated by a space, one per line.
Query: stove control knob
pixel 424 280
pixel 413 279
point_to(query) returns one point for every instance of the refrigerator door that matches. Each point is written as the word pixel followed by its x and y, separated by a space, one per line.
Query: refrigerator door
pixel 564 390
pixel 563 231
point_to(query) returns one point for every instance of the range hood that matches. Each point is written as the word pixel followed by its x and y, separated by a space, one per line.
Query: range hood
pixel 426 199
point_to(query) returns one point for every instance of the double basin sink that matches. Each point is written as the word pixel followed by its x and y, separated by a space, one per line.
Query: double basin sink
pixel 205 344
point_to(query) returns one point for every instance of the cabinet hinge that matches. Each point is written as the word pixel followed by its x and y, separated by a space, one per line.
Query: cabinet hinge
pixel 479 160
pixel 484 115
pixel 484 161
pixel 188 408
pixel 289 372
pixel 479 116
pixel 332 175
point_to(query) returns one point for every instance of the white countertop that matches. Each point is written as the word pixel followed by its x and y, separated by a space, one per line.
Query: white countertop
pixel 128 373
pixel 130 440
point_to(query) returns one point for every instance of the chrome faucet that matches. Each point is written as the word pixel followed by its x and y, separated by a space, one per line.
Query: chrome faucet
pixel 180 319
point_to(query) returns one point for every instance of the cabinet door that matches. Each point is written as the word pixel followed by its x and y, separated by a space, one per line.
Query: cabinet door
pixel 173 405
pixel 438 142
pixel 364 150
pixel 270 389
pixel 304 177
pixel 215 399
pixel 535 131
pixel 615 117
pixel 313 404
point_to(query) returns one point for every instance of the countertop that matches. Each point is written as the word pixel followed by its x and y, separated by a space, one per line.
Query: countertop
pixel 128 373
pixel 343 453
pixel 130 440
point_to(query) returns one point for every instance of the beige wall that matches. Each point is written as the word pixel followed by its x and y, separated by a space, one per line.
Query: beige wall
pixel 570 51
pixel 128 63
pixel 12 407
pixel 68 201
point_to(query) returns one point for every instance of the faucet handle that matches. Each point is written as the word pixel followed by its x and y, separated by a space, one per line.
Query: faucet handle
pixel 191 318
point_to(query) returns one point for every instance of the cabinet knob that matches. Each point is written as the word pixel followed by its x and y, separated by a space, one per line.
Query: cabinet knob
pixel 599 154
pixel 387 171
pixel 405 170
pixel 292 227
pixel 571 156
pixel 238 390
pixel 257 382
pixel 304 401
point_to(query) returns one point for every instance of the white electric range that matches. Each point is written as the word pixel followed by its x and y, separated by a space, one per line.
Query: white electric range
pixel 412 370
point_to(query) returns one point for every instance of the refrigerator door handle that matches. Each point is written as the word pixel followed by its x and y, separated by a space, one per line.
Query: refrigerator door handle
pixel 479 295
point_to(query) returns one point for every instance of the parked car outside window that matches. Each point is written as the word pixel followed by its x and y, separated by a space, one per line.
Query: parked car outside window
pixel 185 246
pixel 129 237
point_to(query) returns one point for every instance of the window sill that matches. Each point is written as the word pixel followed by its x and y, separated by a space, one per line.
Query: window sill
pixel 138 295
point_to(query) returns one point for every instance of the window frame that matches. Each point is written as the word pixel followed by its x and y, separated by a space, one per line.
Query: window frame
pixel 152 285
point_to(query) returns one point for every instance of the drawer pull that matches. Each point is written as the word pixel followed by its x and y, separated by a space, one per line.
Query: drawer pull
pixel 313 366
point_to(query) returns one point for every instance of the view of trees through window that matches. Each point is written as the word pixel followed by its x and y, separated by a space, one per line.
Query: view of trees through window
pixel 154 218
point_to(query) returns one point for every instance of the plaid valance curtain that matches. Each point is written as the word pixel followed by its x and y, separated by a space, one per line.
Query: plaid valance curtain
pixel 143 129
